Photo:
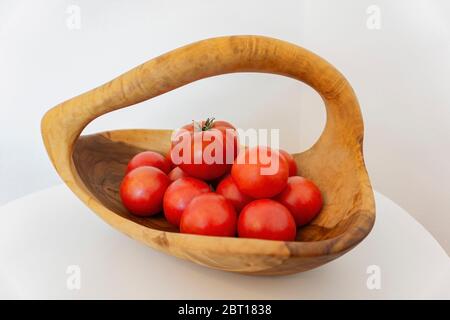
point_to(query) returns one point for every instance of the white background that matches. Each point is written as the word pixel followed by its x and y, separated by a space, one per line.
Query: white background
pixel 401 74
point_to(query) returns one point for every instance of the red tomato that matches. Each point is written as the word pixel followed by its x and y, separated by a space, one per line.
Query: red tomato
pixel 260 172
pixel 176 174
pixel 291 162
pixel 209 214
pixel 228 188
pixel 302 198
pixel 142 190
pixel 179 194
pixel 205 150
pixel 151 159
pixel 266 219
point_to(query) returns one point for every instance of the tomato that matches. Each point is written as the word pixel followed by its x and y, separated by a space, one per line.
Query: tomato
pixel 302 198
pixel 179 194
pixel 260 172
pixel 176 174
pixel 291 162
pixel 228 188
pixel 209 214
pixel 266 219
pixel 149 158
pixel 195 166
pixel 205 150
pixel 142 190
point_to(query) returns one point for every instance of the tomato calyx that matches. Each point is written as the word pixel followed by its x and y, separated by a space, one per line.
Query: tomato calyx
pixel 206 125
pixel 209 123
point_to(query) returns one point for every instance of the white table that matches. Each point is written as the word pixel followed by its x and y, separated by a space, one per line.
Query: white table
pixel 42 234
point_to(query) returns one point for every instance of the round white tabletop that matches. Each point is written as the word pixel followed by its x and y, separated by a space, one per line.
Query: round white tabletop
pixel 52 246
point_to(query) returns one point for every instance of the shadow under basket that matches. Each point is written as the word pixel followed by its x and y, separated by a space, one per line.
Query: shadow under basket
pixel 94 165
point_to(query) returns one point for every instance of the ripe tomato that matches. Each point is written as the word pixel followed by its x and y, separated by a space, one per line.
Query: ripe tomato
pixel 291 162
pixel 151 159
pixel 142 190
pixel 209 214
pixel 302 198
pixel 260 172
pixel 176 174
pixel 266 219
pixel 228 188
pixel 205 150
pixel 179 194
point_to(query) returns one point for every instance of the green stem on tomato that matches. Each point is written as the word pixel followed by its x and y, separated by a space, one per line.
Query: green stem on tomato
pixel 208 124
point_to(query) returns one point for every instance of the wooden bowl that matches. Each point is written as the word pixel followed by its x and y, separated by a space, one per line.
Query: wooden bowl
pixel 93 165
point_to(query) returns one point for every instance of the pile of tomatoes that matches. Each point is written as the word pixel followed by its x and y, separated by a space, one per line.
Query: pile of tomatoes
pixel 206 185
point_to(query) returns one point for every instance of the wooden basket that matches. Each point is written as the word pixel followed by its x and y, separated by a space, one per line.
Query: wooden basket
pixel 93 165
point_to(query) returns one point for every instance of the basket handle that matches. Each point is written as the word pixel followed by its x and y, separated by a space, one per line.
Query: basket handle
pixel 62 125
